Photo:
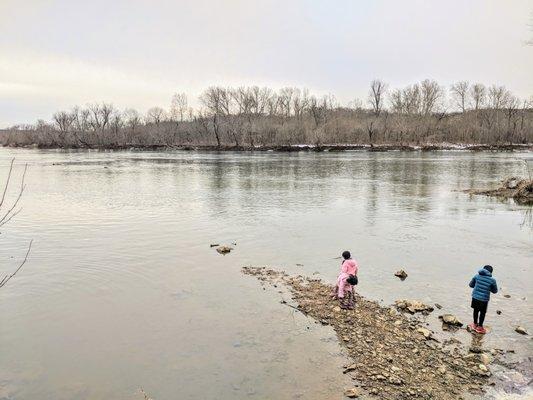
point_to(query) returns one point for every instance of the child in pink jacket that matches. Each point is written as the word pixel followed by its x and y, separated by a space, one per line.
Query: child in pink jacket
pixel 344 291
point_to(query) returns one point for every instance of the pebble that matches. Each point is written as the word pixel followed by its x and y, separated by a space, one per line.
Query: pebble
pixel 521 330
pixel 351 393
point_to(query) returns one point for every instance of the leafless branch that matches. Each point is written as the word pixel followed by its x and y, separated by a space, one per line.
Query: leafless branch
pixel 7 182
pixel 11 212
pixel 6 278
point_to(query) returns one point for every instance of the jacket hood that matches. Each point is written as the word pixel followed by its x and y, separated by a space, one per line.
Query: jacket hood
pixel 483 271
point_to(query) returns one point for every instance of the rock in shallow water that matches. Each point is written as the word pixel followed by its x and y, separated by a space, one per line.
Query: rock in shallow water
pixel 450 320
pixel 521 330
pixel 401 274
pixel 413 306
pixel 224 249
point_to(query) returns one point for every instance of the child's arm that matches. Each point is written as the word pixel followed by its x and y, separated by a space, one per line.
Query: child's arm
pixel 472 282
pixel 494 287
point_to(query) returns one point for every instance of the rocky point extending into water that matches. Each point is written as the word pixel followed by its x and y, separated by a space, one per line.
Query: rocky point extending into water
pixel 393 356
pixel 520 190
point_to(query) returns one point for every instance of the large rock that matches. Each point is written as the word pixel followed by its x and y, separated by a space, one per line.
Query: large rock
pixel 224 249
pixel 450 320
pixel 413 306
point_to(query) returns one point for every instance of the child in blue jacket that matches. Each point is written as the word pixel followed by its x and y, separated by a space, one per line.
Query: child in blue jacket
pixel 484 284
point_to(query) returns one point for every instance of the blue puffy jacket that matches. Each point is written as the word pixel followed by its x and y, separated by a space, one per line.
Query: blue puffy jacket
pixel 483 283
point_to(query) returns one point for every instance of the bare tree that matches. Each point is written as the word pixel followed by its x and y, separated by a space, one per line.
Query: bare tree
pixel 498 96
pixel 412 99
pixel 178 107
pixel 7 212
pixel 396 101
pixel 63 120
pixel 132 118
pixel 273 105
pixel 432 93
pixel 285 101
pixel 460 91
pixel 376 96
pixel 217 100
pixel 155 115
pixel 478 95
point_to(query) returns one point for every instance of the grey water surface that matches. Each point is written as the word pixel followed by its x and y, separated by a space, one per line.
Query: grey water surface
pixel 123 291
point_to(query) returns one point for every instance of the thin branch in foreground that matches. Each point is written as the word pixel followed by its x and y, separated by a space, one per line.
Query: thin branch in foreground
pixel 6 278
pixel 7 182
pixel 10 213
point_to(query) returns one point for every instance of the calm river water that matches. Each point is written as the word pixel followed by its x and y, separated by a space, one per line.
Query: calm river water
pixel 123 291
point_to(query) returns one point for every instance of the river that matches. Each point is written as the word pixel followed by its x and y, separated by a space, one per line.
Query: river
pixel 122 289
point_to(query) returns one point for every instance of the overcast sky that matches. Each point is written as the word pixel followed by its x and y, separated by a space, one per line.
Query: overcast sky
pixel 137 53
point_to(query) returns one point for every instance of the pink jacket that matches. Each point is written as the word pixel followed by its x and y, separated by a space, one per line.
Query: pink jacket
pixel 349 267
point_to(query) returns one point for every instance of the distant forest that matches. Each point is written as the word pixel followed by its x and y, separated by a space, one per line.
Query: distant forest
pixel 251 117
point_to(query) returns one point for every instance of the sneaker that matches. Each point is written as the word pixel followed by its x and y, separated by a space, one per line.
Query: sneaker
pixel 481 330
pixel 472 326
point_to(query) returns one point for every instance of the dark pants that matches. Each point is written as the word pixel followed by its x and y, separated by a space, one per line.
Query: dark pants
pixel 480 309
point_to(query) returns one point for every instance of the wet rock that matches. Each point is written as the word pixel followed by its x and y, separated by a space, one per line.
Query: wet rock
pixel 413 306
pixel 498 312
pixel 511 183
pixel 351 393
pixel 485 359
pixel 401 274
pixel 224 249
pixel 450 320
pixel 214 245
pixel 350 368
pixel 482 370
pixel 424 332
pixel 439 307
pixel 521 330
pixel 395 380
pixel 507 296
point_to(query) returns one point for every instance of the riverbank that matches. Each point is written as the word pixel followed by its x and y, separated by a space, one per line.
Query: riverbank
pixel 294 148
pixel 393 355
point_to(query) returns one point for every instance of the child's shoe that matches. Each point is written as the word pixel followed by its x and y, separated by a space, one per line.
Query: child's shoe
pixel 481 330
pixel 472 327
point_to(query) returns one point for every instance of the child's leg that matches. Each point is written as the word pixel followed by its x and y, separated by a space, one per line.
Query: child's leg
pixel 482 317
pixel 476 315
pixel 352 297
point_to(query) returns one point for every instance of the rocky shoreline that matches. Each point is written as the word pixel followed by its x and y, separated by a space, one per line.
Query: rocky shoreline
pixel 393 355
pixel 520 190
pixel 292 148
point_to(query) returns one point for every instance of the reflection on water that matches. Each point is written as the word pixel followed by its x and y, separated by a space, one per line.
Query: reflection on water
pixel 122 289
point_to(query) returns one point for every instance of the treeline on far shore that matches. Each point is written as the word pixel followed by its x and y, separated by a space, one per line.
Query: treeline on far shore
pixel 424 113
